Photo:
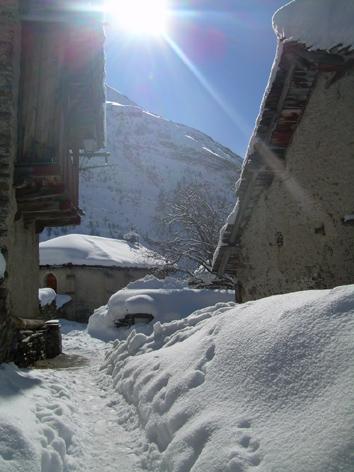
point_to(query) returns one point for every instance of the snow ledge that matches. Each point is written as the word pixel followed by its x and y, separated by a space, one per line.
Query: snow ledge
pixel 320 24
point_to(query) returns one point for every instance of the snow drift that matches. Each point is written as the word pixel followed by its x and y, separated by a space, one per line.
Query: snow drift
pixel 166 300
pixel 267 384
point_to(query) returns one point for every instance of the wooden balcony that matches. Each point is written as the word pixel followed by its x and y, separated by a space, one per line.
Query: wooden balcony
pixel 48 192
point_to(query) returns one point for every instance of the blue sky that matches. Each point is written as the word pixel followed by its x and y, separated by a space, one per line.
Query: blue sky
pixel 211 75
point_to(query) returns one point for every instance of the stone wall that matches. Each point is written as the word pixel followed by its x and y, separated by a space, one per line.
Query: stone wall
pixel 9 78
pixel 37 340
pixel 18 244
pixel 296 238
pixel 23 261
pixel 89 287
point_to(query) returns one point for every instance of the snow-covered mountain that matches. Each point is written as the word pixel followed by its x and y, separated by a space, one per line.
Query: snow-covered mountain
pixel 151 158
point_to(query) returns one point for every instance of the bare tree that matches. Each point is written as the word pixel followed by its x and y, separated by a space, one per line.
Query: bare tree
pixel 190 223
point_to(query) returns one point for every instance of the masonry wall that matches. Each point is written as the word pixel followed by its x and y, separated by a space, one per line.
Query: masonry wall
pixel 23 257
pixel 9 78
pixel 18 244
pixel 296 238
pixel 89 287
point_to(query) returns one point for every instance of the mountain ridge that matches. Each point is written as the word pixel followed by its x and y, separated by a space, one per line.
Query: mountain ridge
pixel 151 159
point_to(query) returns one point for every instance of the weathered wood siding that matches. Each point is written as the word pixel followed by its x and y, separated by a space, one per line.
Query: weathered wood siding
pixel 42 93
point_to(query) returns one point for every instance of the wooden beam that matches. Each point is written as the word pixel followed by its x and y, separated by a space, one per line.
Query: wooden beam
pixel 43 195
pixel 40 206
pixel 73 220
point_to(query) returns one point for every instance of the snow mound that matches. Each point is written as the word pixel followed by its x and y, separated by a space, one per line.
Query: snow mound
pixel 320 24
pixel 150 281
pixel 81 249
pixel 266 384
pixel 33 435
pixel 46 296
pixel 165 300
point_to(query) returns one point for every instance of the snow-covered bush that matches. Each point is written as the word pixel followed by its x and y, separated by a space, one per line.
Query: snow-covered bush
pixel 132 237
pixel 203 278
pixel 46 296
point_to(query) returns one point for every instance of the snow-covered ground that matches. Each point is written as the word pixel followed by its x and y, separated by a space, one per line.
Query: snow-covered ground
pixel 264 386
pixel 63 418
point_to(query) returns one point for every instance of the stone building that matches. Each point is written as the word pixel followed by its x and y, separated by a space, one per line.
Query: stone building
pixel 51 109
pixel 90 269
pixel 293 225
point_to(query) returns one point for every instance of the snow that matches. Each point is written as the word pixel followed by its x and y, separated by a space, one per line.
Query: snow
pixel 166 300
pixel 62 299
pixel 57 418
pixel 2 266
pixel 203 275
pixel 230 221
pixel 19 451
pixel 266 386
pixel 80 249
pixel 46 296
pixel 320 24
pixel 348 218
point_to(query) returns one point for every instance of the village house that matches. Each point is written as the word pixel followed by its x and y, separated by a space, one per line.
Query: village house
pixel 51 110
pixel 89 269
pixel 293 225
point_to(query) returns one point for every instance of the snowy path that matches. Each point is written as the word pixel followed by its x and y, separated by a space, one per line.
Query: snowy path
pixel 263 386
pixel 80 424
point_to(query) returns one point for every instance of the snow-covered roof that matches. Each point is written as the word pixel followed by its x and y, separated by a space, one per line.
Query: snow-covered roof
pixel 320 24
pixel 81 249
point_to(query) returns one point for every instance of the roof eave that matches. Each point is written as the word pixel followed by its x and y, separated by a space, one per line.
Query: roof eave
pixel 292 80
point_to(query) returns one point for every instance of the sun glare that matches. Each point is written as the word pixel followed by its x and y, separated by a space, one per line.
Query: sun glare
pixel 139 17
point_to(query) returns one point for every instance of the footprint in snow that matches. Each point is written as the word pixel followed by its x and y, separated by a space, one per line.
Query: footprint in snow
pixel 208 357
pixel 244 455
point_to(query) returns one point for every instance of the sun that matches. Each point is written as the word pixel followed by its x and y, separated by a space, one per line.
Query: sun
pixel 139 17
